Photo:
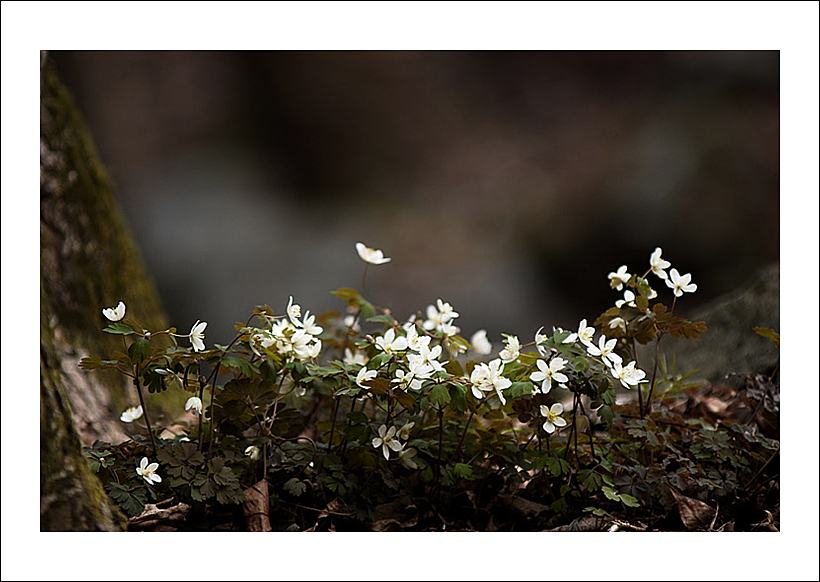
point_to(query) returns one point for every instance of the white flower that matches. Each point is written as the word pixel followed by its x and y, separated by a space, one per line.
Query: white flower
pixel 148 472
pixel 407 380
pixel 512 349
pixel 418 371
pixel 430 356
pixel 365 375
pixel 480 344
pixel 404 431
pixel 658 265
pixel 252 452
pixel 618 323
pixel 488 377
pixel 605 351
pixel 355 358
pixel 415 341
pixel 449 329
pixel 387 441
pixel 309 324
pixel 680 284
pixel 440 316
pixel 619 278
pixel 304 345
pixel 197 335
pixel 352 322
pixel 628 300
pixel 446 310
pixel 406 457
pixel 553 417
pixel 115 313
pixel 628 375
pixel 313 351
pixel 585 333
pixel 131 414
pixel 294 311
pixel 540 338
pixel 372 256
pixel 547 373
pixel 390 343
pixel 194 403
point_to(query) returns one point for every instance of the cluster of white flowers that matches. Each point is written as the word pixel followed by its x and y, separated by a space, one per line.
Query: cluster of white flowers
pixel 292 336
pixel 440 318
pixel 488 378
pixel 421 360
pixel 389 439
pixel 658 266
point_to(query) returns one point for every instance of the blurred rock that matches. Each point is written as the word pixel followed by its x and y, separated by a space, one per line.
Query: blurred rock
pixel 730 345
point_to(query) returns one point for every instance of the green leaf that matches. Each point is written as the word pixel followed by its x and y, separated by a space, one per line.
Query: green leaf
pixel 385 319
pixel 557 466
pixel 323 371
pixel 629 501
pixel 347 294
pixel 131 500
pixel 119 328
pixel 610 493
pixel 138 350
pixel 295 486
pixel 241 364
pixel 439 395
pixel 518 389
pixel 378 360
pixel 463 471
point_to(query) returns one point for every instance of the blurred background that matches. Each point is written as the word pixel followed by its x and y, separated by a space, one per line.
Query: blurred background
pixel 508 183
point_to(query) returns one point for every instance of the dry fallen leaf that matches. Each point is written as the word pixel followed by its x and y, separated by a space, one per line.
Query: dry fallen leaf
pixel 694 514
pixel 256 507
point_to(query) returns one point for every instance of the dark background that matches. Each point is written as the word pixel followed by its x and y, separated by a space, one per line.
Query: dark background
pixel 508 183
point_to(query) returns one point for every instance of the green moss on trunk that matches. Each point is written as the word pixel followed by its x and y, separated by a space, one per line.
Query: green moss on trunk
pixel 88 260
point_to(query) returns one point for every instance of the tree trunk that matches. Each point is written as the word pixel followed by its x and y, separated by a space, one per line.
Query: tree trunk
pixel 88 261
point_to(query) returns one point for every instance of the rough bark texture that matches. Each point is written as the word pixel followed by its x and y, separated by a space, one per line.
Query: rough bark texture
pixel 87 261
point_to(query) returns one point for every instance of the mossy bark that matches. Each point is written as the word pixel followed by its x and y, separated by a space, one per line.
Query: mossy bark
pixel 71 496
pixel 88 260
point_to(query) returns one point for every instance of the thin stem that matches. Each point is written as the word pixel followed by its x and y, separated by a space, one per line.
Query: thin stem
pixel 333 423
pixel 589 426
pixel 389 415
pixel 201 396
pixel 364 277
pixel 575 432
pixel 347 428
pixel 144 409
pixel 655 366
pixel 637 365
pixel 464 433
pixel 440 443
pixel 211 407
